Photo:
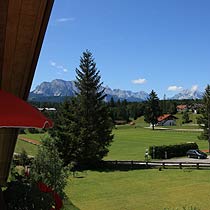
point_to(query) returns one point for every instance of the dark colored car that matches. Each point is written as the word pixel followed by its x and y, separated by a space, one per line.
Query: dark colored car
pixel 195 153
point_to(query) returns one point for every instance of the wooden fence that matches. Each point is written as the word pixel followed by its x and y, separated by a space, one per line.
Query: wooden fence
pixel 154 164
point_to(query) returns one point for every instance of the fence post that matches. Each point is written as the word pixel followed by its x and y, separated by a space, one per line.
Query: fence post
pixel 163 164
pixel 197 165
pixel 180 165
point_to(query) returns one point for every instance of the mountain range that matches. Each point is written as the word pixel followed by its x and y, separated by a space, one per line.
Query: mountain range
pixel 59 89
pixel 188 94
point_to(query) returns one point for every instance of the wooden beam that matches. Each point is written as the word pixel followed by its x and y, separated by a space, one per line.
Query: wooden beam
pixel 22 28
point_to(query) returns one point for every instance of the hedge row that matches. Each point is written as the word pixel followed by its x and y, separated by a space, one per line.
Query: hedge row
pixel 177 150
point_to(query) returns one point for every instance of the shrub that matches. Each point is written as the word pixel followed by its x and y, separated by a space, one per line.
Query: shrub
pixel 47 167
pixel 23 195
pixel 33 130
pixel 177 150
pixel 22 159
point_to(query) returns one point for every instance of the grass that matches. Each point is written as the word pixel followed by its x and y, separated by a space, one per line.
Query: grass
pixel 141 189
pixel 138 189
pixel 36 136
pixel 29 148
pixel 130 143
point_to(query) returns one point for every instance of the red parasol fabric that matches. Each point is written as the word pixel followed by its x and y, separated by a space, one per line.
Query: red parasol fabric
pixel 16 113
pixel 58 201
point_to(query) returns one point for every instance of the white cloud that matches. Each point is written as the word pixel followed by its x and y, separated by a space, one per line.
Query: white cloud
pixel 139 81
pixel 58 66
pixel 64 19
pixel 175 88
pixel 194 88
pixel 52 63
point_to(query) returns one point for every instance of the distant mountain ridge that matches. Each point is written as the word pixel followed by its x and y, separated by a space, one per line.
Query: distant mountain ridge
pixel 188 94
pixel 62 88
pixel 58 89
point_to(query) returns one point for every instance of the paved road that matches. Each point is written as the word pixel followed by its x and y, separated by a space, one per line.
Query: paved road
pixel 186 159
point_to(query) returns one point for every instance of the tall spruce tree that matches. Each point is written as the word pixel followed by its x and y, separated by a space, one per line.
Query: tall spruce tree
pixel 204 120
pixel 152 109
pixel 84 129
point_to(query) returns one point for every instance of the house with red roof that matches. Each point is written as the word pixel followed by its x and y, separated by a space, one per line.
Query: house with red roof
pixel 166 120
pixel 181 108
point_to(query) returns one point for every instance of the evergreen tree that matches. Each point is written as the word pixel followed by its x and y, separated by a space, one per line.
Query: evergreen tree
pixel 152 109
pixel 112 103
pixel 84 127
pixel 172 108
pixel 185 117
pixel 204 120
pixel 65 131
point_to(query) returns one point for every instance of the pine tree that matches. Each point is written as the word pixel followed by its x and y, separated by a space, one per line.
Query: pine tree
pixel 95 123
pixel 204 120
pixel 185 117
pixel 84 129
pixel 152 109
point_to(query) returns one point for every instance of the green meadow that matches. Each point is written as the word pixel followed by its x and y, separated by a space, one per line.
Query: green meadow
pixel 150 189
pixel 130 143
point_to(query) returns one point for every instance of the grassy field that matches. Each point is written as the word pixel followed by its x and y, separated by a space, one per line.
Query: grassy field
pixel 141 190
pixel 130 143
pixel 36 136
pixel 29 148
pixel 138 189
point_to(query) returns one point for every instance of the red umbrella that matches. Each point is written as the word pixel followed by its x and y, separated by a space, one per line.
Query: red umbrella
pixel 16 113
pixel 58 201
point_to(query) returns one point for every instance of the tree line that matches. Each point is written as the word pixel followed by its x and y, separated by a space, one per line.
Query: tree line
pixel 123 110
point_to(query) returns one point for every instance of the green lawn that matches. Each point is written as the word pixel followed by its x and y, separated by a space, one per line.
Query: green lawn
pixel 130 143
pixel 141 190
pixel 36 136
pixel 29 148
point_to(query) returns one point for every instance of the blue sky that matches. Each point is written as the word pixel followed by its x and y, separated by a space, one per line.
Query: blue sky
pixel 138 45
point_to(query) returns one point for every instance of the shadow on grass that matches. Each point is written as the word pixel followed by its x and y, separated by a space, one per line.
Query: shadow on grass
pixel 111 166
pixel 68 205
pixel 108 167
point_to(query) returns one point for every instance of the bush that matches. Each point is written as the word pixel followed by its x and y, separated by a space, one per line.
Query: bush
pixel 177 150
pixel 47 167
pixel 23 195
pixel 22 159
